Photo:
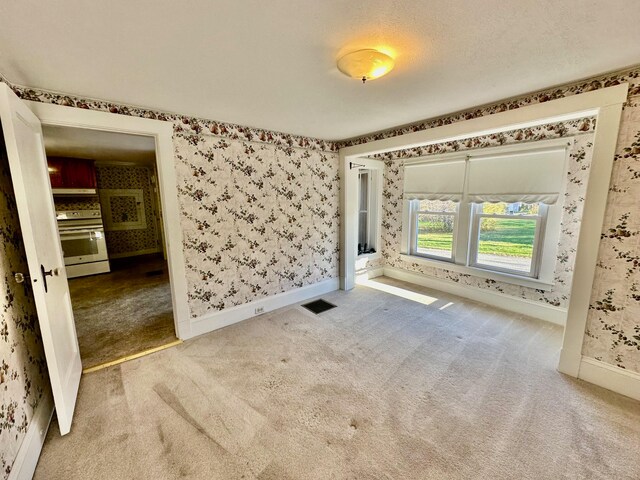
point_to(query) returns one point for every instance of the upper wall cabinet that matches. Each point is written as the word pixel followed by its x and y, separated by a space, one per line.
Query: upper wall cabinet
pixel 72 175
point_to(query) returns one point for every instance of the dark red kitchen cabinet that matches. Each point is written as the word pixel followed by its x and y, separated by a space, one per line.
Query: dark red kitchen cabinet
pixel 72 172
pixel 79 173
pixel 55 172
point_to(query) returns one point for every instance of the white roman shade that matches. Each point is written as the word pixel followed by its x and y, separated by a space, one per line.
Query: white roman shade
pixel 434 180
pixel 530 177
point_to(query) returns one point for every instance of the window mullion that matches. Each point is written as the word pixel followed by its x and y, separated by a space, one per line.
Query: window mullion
pixel 463 224
pixel 537 247
pixel 369 221
pixel 474 234
pixel 413 227
pixel 463 233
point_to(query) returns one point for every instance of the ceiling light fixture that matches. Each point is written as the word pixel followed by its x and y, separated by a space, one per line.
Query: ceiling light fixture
pixel 366 64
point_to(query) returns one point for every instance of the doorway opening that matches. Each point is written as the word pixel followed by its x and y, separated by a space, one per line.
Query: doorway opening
pixel 109 212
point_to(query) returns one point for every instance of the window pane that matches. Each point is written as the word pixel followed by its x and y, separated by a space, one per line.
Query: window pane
pixel 437 206
pixel 364 190
pixel 517 208
pixel 506 243
pixel 362 229
pixel 435 235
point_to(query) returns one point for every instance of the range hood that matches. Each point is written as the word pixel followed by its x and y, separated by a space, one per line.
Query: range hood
pixel 73 191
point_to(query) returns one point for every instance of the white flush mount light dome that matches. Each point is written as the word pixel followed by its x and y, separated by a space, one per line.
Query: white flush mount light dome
pixel 366 64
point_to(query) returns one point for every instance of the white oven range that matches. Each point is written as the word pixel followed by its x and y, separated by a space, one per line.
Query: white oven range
pixel 83 243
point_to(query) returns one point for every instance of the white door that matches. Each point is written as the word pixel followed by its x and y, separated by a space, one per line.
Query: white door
pixel 28 166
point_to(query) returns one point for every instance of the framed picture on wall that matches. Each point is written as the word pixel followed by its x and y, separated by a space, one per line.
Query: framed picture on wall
pixel 123 209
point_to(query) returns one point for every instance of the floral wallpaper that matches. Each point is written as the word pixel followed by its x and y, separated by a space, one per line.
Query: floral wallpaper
pixel 121 242
pixel 125 209
pixel 542 132
pixel 23 370
pixel 258 219
pixel 576 176
pixel 89 202
pixel 613 324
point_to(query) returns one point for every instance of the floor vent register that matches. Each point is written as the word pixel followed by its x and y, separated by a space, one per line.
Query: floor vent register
pixel 318 306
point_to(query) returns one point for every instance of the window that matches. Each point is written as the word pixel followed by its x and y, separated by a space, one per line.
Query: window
pixel 367 211
pixel 491 210
pixel 434 223
pixel 507 237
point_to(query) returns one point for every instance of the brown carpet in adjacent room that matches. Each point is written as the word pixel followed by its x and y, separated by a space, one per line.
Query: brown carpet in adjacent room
pixel 123 312
pixel 382 387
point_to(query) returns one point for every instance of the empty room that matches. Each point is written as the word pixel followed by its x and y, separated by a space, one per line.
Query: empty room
pixel 320 240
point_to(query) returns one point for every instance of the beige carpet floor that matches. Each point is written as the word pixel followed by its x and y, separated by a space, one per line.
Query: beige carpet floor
pixel 381 387
pixel 123 312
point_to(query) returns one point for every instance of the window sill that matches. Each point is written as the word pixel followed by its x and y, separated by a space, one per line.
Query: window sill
pixel 480 272
pixel 362 261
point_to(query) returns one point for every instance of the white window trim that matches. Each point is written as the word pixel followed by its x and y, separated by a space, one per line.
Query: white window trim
pixel 538 246
pixel 463 235
pixel 373 210
pixel 370 256
pixel 367 209
pixel 479 272
pixel 376 184
pixel 413 232
pixel 545 280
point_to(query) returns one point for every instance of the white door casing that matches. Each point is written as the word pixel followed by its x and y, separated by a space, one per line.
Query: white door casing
pixel 47 275
pixel 162 132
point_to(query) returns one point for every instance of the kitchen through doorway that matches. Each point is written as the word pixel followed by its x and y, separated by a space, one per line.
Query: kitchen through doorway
pixel 109 212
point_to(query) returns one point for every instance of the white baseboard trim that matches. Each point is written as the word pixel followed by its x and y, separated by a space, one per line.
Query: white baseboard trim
pixel 136 253
pixel 522 306
pixel 610 377
pixel 369 274
pixel 28 455
pixel 229 316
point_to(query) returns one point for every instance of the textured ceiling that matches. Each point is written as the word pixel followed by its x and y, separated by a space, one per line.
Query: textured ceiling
pixel 272 64
pixel 99 145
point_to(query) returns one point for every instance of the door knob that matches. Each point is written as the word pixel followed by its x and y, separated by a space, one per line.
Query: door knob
pixel 20 277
